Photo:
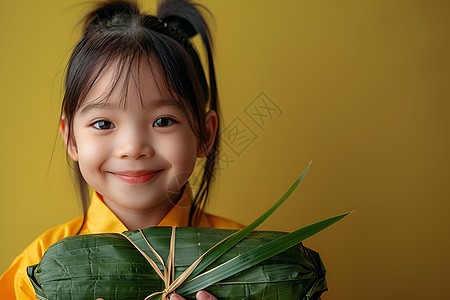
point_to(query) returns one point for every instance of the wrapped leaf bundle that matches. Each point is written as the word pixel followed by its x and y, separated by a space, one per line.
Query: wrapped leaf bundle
pixel 109 266
pixel 230 264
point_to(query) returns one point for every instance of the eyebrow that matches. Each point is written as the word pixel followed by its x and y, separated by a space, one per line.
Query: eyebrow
pixel 109 106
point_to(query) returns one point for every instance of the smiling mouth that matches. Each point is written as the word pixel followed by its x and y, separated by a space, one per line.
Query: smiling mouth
pixel 135 177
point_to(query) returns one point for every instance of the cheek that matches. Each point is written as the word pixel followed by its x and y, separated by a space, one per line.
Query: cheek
pixel 180 151
pixel 91 153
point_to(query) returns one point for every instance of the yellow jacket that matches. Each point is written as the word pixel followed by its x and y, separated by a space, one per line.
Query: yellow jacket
pixel 14 283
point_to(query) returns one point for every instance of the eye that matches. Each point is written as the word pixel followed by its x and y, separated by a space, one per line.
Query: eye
pixel 163 122
pixel 103 124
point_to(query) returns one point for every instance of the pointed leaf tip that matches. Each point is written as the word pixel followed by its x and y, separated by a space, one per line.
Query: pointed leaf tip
pixel 233 239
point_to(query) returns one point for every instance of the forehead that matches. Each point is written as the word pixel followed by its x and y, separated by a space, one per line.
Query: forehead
pixel 122 84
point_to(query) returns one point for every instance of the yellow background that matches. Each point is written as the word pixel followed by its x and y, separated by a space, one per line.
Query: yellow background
pixel 364 91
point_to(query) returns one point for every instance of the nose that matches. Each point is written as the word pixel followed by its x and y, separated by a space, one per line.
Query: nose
pixel 134 144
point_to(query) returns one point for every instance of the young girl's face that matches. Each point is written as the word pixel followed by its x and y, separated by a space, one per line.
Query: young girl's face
pixel 138 152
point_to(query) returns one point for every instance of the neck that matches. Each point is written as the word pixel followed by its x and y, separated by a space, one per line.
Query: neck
pixel 143 218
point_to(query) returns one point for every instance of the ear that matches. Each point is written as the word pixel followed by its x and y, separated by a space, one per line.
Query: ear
pixel 211 124
pixel 68 142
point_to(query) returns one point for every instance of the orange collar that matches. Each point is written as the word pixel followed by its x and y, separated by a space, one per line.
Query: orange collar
pixel 101 219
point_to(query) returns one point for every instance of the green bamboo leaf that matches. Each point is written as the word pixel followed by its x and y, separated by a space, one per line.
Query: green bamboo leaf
pixel 253 257
pixel 228 243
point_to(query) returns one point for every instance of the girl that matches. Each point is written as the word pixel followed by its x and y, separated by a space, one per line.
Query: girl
pixel 134 121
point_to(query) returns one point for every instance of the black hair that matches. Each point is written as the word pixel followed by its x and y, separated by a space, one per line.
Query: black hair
pixel 118 32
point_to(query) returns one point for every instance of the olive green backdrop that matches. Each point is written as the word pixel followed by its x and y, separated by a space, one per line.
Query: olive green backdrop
pixel 359 87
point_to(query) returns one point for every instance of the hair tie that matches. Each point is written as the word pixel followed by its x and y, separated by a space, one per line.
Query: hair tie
pixel 183 26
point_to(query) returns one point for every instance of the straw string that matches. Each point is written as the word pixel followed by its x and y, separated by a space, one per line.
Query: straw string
pixel 170 283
